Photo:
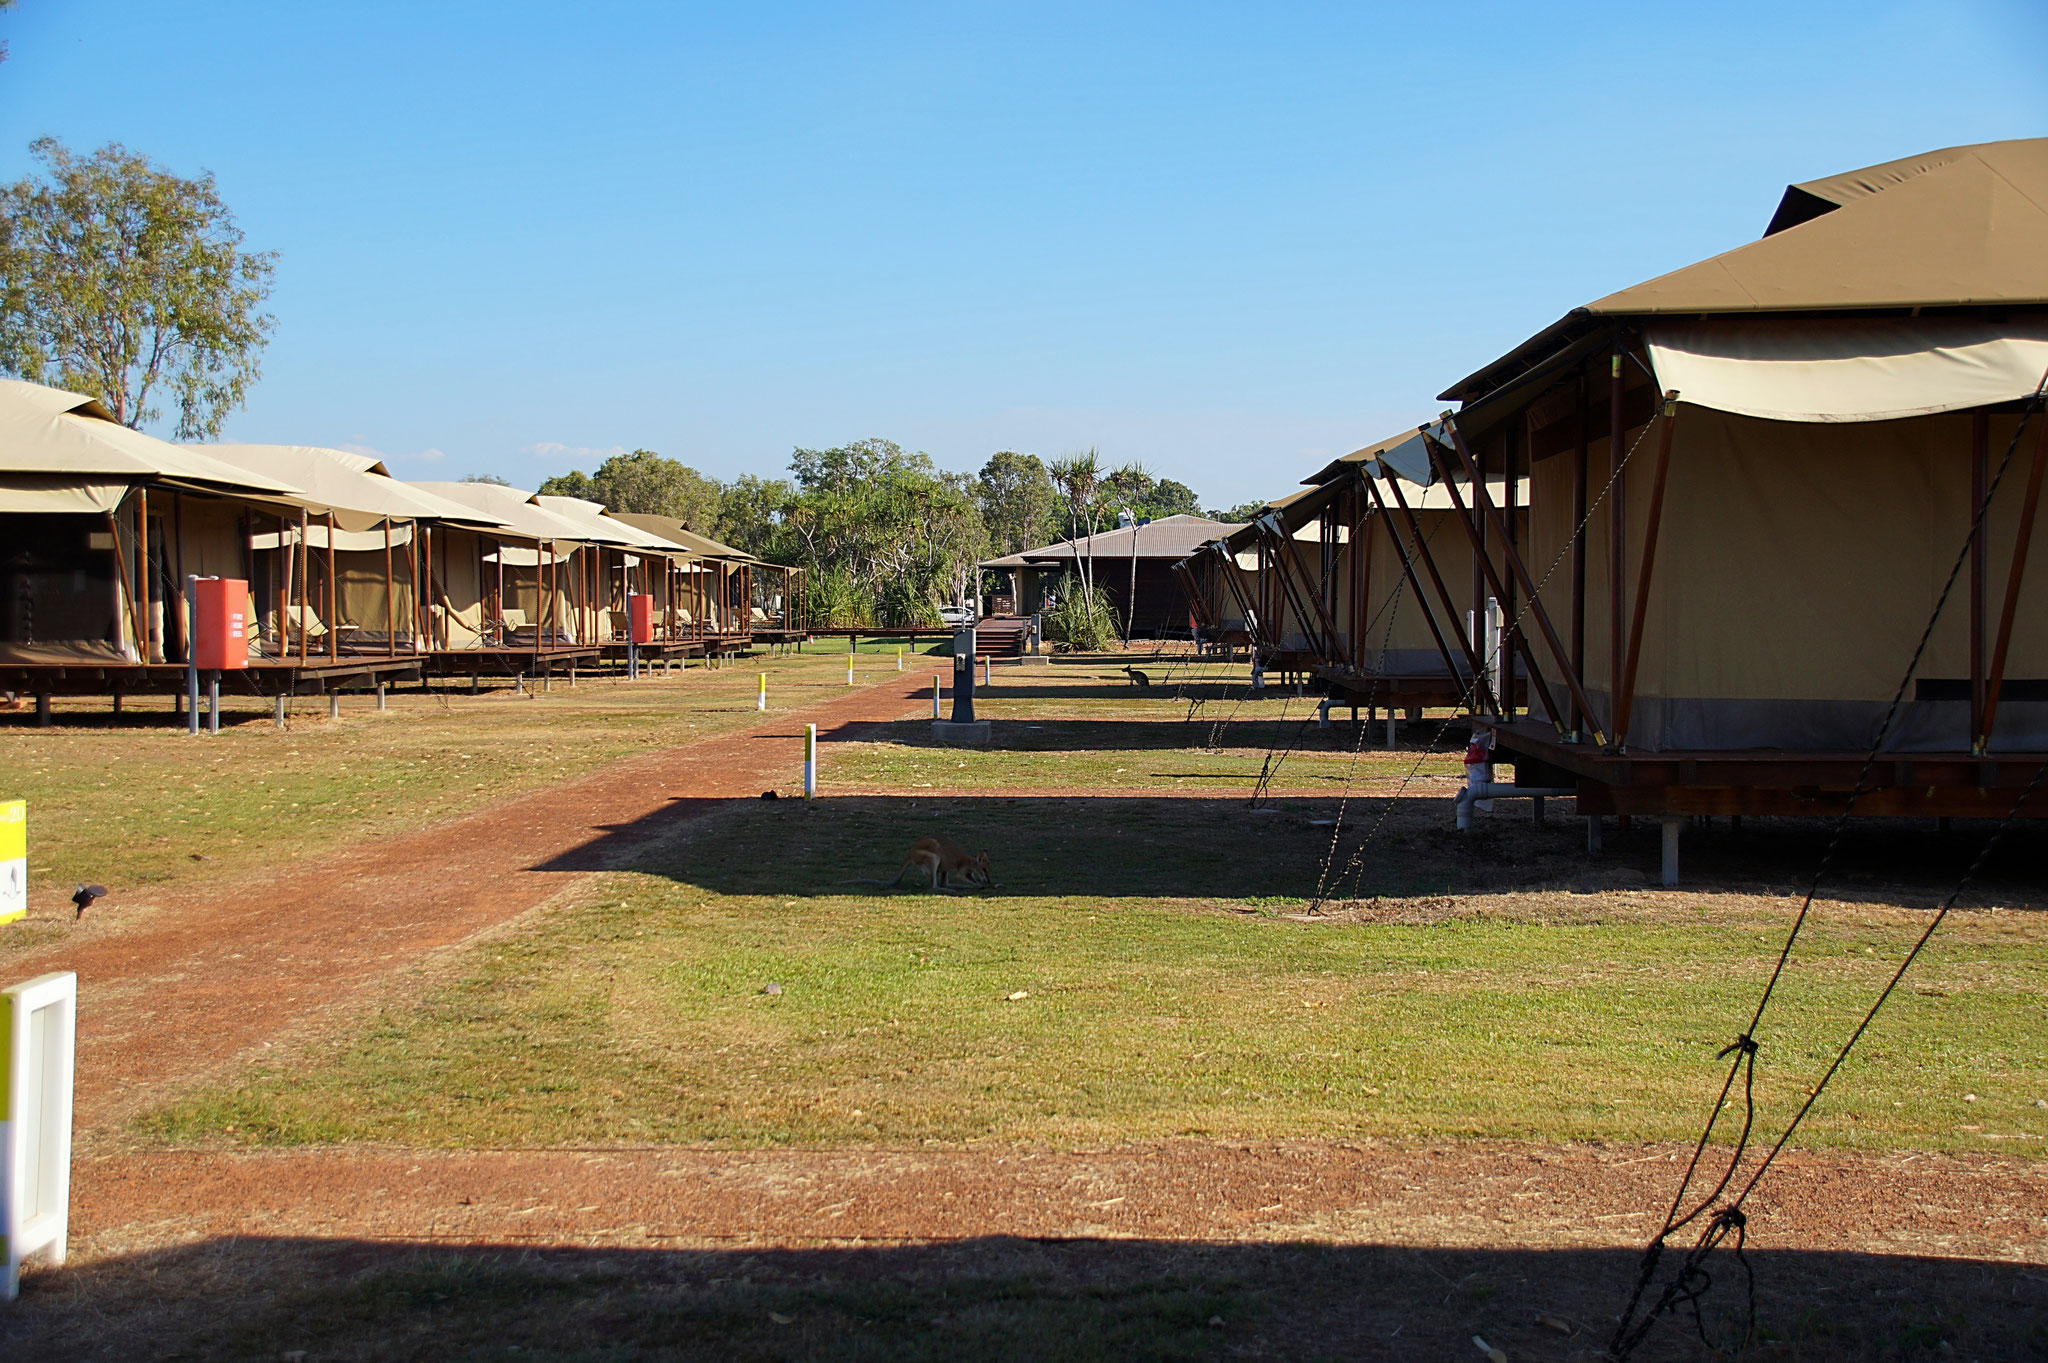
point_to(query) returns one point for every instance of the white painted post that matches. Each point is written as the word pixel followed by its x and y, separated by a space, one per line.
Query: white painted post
pixel 38 1034
pixel 334 705
pixel 1672 823
pixel 849 669
pixel 277 709
pixel 810 761
pixel 935 697
pixel 988 671
pixel 761 700
pixel 899 657
pixel 380 695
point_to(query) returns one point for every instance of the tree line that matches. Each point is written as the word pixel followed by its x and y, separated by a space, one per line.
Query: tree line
pixel 124 281
pixel 884 535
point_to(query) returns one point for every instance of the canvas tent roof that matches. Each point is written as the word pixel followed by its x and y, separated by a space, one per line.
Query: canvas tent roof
pixel 601 525
pixel 673 530
pixel 511 508
pixel 1169 537
pixel 356 487
pixel 1960 227
pixel 61 451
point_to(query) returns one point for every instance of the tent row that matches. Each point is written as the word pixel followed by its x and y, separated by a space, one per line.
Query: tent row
pixel 352 574
pixel 1678 550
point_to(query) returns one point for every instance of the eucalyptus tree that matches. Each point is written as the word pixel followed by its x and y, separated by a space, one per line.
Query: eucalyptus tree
pixel 124 281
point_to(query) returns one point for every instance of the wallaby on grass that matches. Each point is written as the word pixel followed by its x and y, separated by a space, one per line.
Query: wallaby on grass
pixel 946 861
pixel 1138 679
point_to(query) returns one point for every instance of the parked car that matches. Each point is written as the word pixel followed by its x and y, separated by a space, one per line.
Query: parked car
pixel 956 616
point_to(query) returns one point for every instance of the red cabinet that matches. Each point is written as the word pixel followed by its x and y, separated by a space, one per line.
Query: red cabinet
pixel 220 638
pixel 640 618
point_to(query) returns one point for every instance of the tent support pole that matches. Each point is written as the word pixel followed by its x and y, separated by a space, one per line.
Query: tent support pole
pixel 1483 503
pixel 333 598
pixel 1281 555
pixel 1617 531
pixel 1253 621
pixel 1579 717
pixel 1980 477
pixel 142 569
pixel 127 592
pixel 1624 703
pixel 1361 576
pixel 1414 533
pixel 1995 680
pixel 305 548
pixel 390 602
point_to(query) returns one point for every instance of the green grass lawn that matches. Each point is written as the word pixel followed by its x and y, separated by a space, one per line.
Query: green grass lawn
pixel 1130 980
pixel 136 802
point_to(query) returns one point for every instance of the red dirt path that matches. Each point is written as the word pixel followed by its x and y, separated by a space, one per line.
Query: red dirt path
pixel 220 967
pixel 1446 1194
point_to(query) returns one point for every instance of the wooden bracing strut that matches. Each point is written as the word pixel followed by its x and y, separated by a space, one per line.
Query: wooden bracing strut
pixel 1482 502
pixel 1280 547
pixel 1480 689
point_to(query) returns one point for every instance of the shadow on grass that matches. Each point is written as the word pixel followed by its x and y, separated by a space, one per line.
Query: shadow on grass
pixel 994 1298
pixel 1219 848
pixel 1247 730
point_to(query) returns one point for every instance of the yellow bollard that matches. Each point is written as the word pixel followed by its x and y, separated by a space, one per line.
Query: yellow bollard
pixel 761 701
pixel 849 671
pixel 13 868
pixel 899 657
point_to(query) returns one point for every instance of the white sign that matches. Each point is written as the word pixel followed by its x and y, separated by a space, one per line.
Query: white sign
pixel 13 860
pixel 38 1031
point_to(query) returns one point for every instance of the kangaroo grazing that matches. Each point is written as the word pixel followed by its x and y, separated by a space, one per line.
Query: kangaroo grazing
pixel 1138 679
pixel 945 861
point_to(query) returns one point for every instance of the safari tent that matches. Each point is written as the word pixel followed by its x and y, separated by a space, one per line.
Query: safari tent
pixel 1132 565
pixel 518 598
pixel 344 581
pixel 630 561
pixel 101 525
pixel 718 609
pixel 1777 456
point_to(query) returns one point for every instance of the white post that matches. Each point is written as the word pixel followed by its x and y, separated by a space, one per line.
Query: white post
pixel 213 702
pixel 1672 823
pixel 935 697
pixel 899 657
pixel 380 695
pixel 761 700
pixel 810 761
pixel 849 669
pixel 38 1034
pixel 334 705
pixel 988 671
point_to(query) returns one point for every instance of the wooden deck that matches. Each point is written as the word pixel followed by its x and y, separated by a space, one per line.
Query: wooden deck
pixel 1771 781
pixel 264 677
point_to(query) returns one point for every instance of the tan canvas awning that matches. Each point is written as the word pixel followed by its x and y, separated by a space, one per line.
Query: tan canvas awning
pixel 512 508
pixel 1869 370
pixel 57 494
pixel 599 525
pixel 50 431
pixel 357 489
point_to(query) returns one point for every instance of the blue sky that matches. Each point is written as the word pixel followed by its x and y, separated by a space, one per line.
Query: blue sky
pixel 1226 240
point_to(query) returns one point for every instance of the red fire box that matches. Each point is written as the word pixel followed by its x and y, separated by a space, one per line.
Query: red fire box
pixel 640 618
pixel 220 641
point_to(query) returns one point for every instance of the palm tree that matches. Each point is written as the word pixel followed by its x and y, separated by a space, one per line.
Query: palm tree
pixel 1079 479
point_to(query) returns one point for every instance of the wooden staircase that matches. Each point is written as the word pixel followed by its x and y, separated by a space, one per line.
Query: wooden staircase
pixel 1002 636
